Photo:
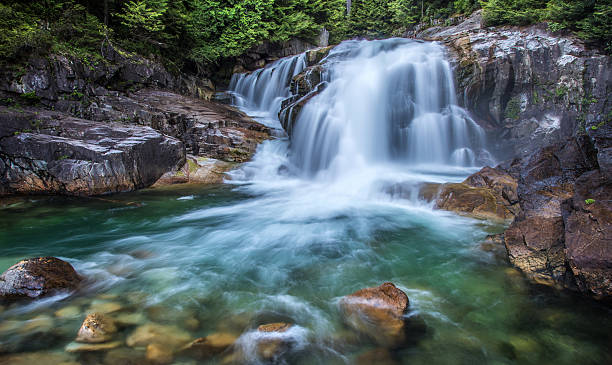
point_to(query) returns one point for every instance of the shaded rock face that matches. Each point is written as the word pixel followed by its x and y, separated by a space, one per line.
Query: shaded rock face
pixel 378 312
pixel 70 84
pixel 562 234
pixel 527 86
pixel 52 153
pixel 38 277
pixel 488 194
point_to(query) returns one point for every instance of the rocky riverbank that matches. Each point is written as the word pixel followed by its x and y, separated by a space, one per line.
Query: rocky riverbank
pixel 77 128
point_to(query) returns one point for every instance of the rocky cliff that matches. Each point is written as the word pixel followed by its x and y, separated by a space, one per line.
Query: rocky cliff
pixel 529 87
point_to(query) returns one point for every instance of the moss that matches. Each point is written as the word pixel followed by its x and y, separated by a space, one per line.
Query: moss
pixel 513 108
pixel 589 201
pixel 30 97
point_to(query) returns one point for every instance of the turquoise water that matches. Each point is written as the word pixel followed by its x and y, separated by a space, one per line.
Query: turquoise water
pixel 229 258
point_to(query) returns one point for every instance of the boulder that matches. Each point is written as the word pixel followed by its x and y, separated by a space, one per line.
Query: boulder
pixel 272 343
pixel 96 328
pixel 378 312
pixel 38 277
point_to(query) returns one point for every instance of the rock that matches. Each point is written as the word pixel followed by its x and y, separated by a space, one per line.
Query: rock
pixel 130 319
pixel 146 334
pixel 528 86
pixel 41 323
pixel 560 236
pixel 378 312
pixel 588 234
pixel 38 277
pixel 208 346
pixel 376 356
pixel 96 328
pixel 159 354
pixel 71 156
pixel 125 356
pixel 274 327
pixel 103 306
pixel 488 194
pixel 89 347
pixel 197 170
pixel 70 311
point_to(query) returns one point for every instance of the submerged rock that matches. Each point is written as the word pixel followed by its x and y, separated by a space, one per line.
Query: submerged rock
pixel 159 354
pixel 88 347
pixel 146 334
pixel 208 346
pixel 270 346
pixel 378 312
pixel 96 328
pixel 38 277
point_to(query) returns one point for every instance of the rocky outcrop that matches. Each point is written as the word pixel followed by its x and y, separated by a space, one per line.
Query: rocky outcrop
pixel 529 87
pixel 38 277
pixel 48 152
pixel 378 312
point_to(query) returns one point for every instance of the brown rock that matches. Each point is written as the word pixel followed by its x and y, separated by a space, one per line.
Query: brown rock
pixel 274 327
pixel 125 356
pixel 159 354
pixel 96 328
pixel 272 344
pixel 208 346
pixel 378 312
pixel 488 194
pixel 37 277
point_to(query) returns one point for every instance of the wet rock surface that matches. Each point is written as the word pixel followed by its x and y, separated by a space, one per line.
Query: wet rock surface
pixel 96 328
pixel 38 277
pixel 378 312
pixel 488 194
pixel 561 235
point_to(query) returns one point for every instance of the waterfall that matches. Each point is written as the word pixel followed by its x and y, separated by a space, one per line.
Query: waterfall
pixel 386 101
pixel 262 91
pixel 383 103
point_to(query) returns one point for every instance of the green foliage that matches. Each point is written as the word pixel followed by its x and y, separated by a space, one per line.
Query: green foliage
pixel 30 97
pixel 515 12
pixel 589 201
pixel 561 91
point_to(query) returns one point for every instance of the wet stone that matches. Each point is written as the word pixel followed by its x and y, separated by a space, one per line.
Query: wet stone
pixel 130 319
pixel 100 306
pixel 124 356
pixel 36 358
pixel 96 328
pixel 40 323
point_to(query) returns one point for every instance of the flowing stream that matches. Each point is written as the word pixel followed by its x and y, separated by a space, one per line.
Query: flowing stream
pixel 333 209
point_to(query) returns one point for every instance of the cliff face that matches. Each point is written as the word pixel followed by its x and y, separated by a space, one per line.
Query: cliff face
pixel 527 86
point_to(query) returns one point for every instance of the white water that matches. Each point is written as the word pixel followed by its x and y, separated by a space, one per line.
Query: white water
pixel 261 93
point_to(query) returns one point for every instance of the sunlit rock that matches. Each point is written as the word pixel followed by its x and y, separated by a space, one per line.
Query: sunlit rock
pixel 37 277
pixel 96 328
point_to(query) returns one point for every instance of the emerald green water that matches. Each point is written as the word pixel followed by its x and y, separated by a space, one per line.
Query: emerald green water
pixel 228 258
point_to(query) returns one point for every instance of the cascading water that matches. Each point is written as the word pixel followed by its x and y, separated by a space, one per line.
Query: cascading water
pixel 386 101
pixel 262 92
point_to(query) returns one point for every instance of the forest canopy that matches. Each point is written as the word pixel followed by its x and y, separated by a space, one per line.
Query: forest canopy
pixel 207 31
